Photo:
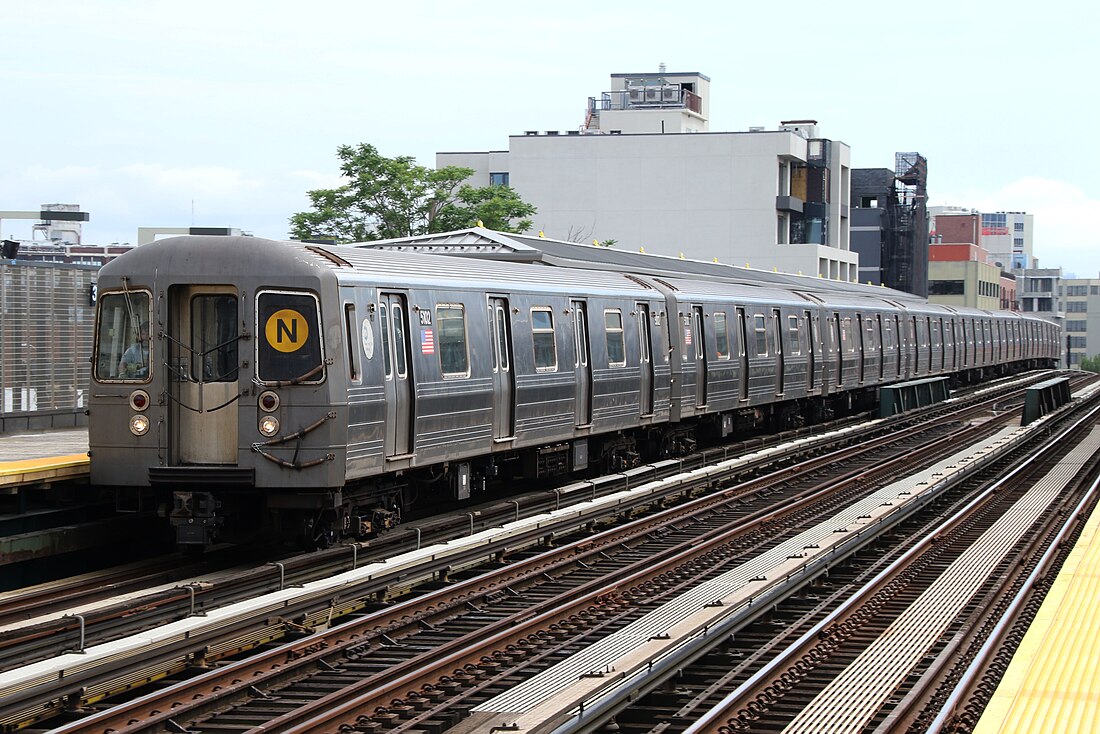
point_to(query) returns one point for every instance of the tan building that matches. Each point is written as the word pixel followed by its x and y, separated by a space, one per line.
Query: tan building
pixel 964 283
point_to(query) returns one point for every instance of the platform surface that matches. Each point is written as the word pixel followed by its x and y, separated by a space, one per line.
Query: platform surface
pixel 1053 681
pixel 43 455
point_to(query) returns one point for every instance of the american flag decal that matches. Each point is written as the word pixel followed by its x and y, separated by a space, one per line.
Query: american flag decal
pixel 427 342
pixel 687 336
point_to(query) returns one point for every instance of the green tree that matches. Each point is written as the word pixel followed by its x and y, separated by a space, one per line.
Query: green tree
pixel 394 197
pixel 1090 364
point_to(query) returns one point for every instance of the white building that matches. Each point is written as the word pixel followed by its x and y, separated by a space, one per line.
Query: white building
pixel 643 170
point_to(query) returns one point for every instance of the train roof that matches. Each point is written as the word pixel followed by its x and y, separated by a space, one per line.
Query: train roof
pixel 487 244
pixel 212 258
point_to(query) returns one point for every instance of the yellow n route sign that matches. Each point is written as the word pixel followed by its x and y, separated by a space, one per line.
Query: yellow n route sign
pixel 286 330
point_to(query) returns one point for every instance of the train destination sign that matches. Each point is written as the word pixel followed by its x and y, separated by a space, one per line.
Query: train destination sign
pixel 290 346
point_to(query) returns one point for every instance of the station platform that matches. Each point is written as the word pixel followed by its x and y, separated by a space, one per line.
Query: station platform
pixel 1053 681
pixel 42 457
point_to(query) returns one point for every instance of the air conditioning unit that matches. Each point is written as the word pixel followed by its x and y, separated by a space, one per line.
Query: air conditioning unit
pixel 636 95
pixel 670 94
pixel 653 95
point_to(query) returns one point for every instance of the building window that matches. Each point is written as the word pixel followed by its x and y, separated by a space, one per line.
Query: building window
pixel 945 288
pixel 1018 226
pixel 1076 326
pixel 1018 241
pixel 1077 307
pixel 1078 342
pixel 498 178
pixel 994 224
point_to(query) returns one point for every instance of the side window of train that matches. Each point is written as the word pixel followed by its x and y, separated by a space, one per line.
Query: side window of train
pixel 122 346
pixel 616 344
pixel 685 326
pixel 384 326
pixel 721 335
pixel 454 355
pixel 793 341
pixel 760 327
pixel 542 339
pixel 290 345
pixel 847 341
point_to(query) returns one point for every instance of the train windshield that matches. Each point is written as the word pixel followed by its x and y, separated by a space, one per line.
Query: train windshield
pixel 123 346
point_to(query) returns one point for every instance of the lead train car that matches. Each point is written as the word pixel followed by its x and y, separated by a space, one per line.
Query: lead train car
pixel 320 390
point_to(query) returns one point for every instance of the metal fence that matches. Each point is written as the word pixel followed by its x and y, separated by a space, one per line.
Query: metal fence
pixel 46 327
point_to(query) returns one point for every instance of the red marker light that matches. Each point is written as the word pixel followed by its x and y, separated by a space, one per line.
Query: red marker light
pixel 269 401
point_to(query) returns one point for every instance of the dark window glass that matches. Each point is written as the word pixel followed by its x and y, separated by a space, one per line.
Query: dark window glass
pixel 384 321
pixel 214 337
pixel 454 359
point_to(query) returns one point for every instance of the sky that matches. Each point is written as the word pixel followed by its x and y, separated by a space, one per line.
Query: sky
pixel 224 114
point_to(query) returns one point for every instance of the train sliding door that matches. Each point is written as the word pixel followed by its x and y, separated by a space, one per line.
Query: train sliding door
pixel 393 318
pixel 504 388
pixel 202 334
pixel 645 343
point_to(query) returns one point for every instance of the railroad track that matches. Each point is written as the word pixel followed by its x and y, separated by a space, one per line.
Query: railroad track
pixel 515 606
pixel 86 625
pixel 892 657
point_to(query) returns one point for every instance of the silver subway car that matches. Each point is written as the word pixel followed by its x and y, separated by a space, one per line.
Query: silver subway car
pixel 321 391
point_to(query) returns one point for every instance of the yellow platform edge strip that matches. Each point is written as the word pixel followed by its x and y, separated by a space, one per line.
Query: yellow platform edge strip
pixel 47 463
pixel 1051 685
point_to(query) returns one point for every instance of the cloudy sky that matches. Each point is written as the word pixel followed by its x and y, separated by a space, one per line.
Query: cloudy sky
pixel 225 113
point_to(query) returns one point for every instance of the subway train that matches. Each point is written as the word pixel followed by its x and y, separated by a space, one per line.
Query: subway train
pixel 319 391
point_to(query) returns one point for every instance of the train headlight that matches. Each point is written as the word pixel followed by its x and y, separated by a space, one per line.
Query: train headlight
pixel 139 400
pixel 269 425
pixel 139 425
pixel 269 401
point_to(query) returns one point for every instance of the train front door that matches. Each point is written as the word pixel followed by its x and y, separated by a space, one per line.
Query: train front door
pixel 393 318
pixel 202 334
pixel 582 366
pixel 645 342
pixel 504 388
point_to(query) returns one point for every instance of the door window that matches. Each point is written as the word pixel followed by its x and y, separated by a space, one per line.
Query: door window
pixel 214 337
